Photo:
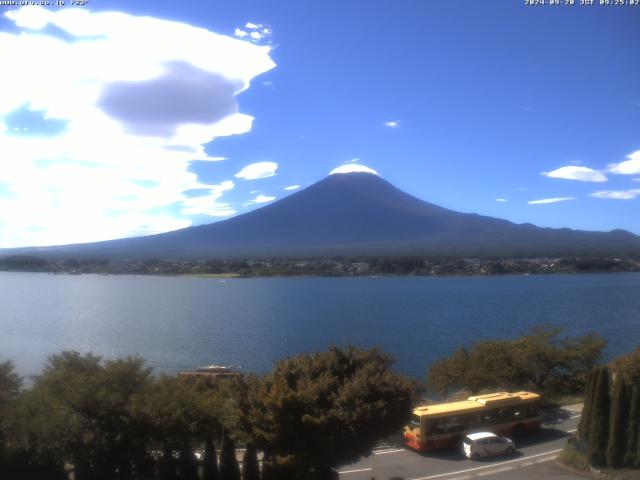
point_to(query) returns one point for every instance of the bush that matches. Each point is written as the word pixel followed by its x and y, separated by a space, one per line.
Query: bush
pixel 573 456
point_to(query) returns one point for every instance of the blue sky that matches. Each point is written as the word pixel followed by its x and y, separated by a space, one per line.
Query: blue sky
pixel 478 106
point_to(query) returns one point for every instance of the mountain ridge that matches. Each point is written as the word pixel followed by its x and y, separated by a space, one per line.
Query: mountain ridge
pixel 356 213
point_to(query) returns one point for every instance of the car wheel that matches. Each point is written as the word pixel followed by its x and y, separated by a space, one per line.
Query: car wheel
pixel 475 456
pixel 509 451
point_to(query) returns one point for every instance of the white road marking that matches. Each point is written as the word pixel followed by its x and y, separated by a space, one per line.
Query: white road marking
pixel 546 459
pixel 466 477
pixel 493 472
pixel 355 471
pixel 383 452
pixel 527 464
pixel 440 475
pixel 572 431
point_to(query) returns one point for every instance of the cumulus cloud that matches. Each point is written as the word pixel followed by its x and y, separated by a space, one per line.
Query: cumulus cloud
pixel 392 124
pixel 208 204
pixel 258 170
pixel 544 201
pixel 353 168
pixel 573 172
pixel 260 199
pixel 631 166
pixel 182 94
pixel 617 194
pixel 136 113
pixel 254 31
pixel 292 187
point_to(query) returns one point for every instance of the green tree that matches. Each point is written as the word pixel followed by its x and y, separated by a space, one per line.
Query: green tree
pixel 210 462
pixel 631 457
pixel 78 411
pixel 250 466
pixel 585 418
pixel 599 425
pixel 541 360
pixel 319 410
pixel 229 468
pixel 629 366
pixel 618 424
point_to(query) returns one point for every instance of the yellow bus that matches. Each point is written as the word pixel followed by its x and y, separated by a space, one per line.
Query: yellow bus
pixel 444 424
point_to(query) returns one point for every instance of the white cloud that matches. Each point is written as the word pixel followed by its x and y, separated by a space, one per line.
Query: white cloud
pixel 258 170
pixel 260 199
pixel 573 172
pixel 501 199
pixel 238 32
pixel 211 159
pixel 257 35
pixel 292 187
pixel 263 199
pixel 252 26
pixel 617 194
pixel 544 201
pixel 135 120
pixel 353 168
pixel 208 204
pixel 392 124
pixel 631 166
pixel 355 160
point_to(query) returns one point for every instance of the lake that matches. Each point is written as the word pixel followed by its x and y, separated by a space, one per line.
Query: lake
pixel 179 323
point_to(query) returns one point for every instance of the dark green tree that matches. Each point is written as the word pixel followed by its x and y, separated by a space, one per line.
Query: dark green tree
pixel 250 466
pixel 618 423
pixel 210 462
pixel 318 410
pixel 599 424
pixel 585 418
pixel 187 466
pixel 229 468
pixel 631 457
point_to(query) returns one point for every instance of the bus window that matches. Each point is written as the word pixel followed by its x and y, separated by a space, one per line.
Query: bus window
pixel 534 410
pixel 456 423
pixel 519 412
pixel 435 427
pixel 489 418
pixel 474 420
pixel 414 423
pixel 505 414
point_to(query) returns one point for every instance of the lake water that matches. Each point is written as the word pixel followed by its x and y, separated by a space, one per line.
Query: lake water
pixel 180 323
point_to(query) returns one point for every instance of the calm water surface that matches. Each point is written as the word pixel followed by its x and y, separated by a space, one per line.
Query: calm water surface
pixel 182 322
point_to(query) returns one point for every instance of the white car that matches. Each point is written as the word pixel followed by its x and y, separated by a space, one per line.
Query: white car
pixel 486 444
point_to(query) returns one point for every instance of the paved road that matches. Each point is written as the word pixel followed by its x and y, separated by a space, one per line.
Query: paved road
pixel 534 459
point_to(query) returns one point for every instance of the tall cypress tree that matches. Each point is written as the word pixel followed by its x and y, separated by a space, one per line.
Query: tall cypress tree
pixel 187 465
pixel 229 468
pixel 210 462
pixel 599 423
pixel 618 424
pixel 585 418
pixel 631 458
pixel 250 466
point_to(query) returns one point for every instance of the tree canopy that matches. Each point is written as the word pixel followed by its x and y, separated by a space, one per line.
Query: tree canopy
pixel 322 409
pixel 541 360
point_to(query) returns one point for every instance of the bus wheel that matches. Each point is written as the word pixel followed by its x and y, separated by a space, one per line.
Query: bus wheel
pixel 518 431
